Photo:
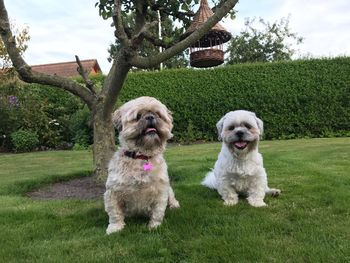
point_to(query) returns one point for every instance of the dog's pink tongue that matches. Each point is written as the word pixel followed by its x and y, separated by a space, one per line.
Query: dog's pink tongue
pixel 241 144
pixel 151 130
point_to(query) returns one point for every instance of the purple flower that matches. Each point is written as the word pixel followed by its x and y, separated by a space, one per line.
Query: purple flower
pixel 13 100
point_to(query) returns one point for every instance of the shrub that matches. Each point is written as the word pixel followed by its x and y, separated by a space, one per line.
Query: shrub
pixel 24 140
pixel 80 126
pixel 189 135
pixel 10 114
pixel 294 99
pixel 8 123
pixel 80 147
pixel 305 98
pixel 41 109
pixel 52 120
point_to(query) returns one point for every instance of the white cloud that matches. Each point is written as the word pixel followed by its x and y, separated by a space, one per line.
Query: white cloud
pixel 323 24
pixel 61 29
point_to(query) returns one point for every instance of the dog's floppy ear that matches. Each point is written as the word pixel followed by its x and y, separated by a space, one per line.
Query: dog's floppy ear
pixel 117 120
pixel 220 126
pixel 169 115
pixel 260 125
pixel 169 118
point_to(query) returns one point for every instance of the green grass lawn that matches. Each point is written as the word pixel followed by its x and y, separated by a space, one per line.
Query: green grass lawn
pixel 309 222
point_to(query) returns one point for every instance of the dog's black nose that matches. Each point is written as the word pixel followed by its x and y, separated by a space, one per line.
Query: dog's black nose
pixel 149 117
pixel 239 134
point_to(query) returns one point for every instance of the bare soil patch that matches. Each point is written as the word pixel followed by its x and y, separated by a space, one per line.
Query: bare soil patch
pixel 79 188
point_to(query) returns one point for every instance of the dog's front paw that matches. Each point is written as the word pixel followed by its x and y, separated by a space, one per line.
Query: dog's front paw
pixel 231 202
pixel 112 228
pixel 154 224
pixel 257 202
pixel 174 204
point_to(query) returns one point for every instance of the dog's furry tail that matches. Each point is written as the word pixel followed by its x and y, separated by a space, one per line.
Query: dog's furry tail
pixel 210 180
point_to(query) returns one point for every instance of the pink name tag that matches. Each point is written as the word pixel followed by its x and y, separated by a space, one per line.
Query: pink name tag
pixel 147 166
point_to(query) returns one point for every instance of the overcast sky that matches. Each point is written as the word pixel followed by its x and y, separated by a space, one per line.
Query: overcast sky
pixel 60 29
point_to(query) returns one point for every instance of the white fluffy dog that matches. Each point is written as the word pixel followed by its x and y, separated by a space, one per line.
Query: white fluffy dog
pixel 138 182
pixel 239 169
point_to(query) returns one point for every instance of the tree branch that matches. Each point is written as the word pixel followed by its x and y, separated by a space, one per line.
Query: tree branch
pixel 140 21
pixel 114 81
pixel 148 62
pixel 26 73
pixel 118 23
pixel 178 14
pixel 156 41
pixel 141 9
pixel 82 72
pixel 137 39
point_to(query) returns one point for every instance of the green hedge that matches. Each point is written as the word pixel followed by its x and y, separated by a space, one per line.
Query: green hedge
pixel 294 99
pixel 304 98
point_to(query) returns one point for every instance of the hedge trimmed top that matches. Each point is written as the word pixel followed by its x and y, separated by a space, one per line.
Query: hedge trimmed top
pixel 294 99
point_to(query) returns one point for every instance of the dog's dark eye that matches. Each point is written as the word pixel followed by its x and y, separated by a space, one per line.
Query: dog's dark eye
pixel 248 126
pixel 231 128
pixel 138 117
pixel 159 115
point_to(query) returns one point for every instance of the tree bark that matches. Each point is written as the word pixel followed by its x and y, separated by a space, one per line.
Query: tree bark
pixel 104 136
pixel 101 104
pixel 104 142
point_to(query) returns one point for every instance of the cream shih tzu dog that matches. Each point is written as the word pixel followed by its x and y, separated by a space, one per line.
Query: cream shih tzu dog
pixel 138 182
pixel 239 168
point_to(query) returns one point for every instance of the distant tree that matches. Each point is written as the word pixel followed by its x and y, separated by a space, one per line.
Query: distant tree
pixel 21 37
pixel 270 43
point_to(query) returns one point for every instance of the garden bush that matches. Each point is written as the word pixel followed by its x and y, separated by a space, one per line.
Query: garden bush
pixel 8 116
pixel 24 140
pixel 304 98
pixel 41 109
pixel 81 128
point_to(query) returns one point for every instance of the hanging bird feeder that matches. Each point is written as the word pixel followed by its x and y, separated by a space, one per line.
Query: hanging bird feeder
pixel 208 51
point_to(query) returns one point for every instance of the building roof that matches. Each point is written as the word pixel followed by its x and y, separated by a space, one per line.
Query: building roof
pixel 68 69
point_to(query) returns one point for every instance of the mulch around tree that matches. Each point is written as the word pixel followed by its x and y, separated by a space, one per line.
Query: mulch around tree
pixel 79 188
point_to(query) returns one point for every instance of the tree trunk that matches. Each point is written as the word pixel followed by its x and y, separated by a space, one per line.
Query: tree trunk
pixel 104 142
pixel 102 103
